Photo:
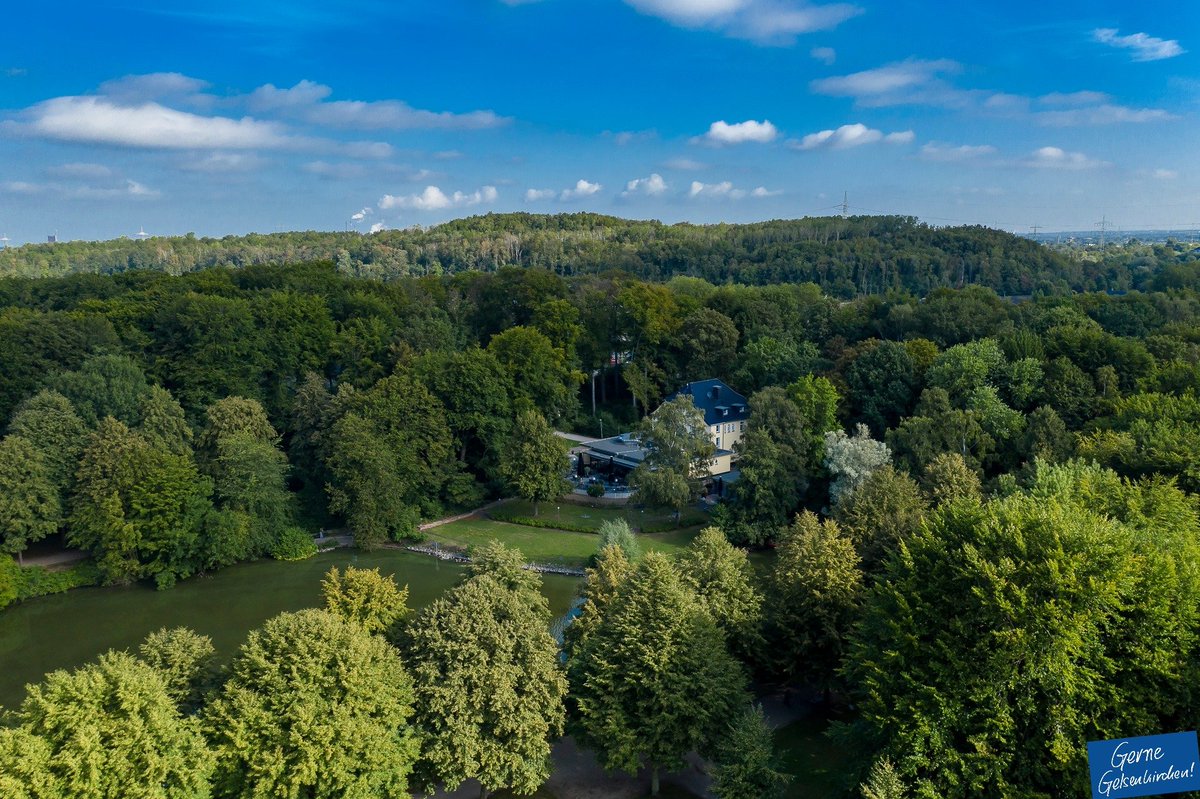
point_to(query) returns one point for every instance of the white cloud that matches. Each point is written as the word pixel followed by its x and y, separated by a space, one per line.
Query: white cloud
pixel 685 164
pixel 307 101
pixel 763 21
pixel 848 136
pixel 725 190
pixel 1165 174
pixel 434 199
pixel 78 170
pixel 722 133
pixel 1073 98
pixel 125 189
pixel 936 151
pixel 1058 158
pixel 377 227
pixel 334 171
pixel 653 186
pixel 582 189
pixel 135 89
pixel 223 162
pixel 826 55
pixel 359 216
pixel 912 81
pixel 1105 114
pixel 1143 46
pixel 536 195
pixel 97 120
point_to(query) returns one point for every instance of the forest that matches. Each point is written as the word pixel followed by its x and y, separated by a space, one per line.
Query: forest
pixel 846 257
pixel 973 517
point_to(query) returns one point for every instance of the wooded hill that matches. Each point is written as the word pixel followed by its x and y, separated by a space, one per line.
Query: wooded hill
pixel 844 256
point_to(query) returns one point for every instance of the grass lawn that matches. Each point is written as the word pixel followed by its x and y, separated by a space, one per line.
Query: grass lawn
pixel 584 516
pixel 817 764
pixel 541 545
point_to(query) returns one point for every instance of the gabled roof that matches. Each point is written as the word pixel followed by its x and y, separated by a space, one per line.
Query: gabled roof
pixel 716 400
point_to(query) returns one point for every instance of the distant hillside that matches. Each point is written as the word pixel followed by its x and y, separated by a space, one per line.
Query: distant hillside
pixel 846 257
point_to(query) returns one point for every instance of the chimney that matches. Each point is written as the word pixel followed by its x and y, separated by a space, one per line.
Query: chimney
pixel 716 392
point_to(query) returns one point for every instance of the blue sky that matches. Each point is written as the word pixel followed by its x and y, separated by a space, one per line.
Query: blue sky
pixel 219 117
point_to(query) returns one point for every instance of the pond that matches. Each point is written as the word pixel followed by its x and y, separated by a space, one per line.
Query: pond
pixel 68 630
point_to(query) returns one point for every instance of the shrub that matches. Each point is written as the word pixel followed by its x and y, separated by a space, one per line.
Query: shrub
pixel 37 581
pixel 595 489
pixel 293 544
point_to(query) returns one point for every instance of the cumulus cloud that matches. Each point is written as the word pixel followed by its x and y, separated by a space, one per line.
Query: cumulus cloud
pixel 1142 46
pixel 937 151
pixel 359 216
pixel 722 133
pixel 583 188
pixel 153 86
pixel 434 199
pixel 537 195
pixel 1058 158
pixel 826 55
pixel 98 120
pixel 653 186
pixel 308 101
pixel 762 21
pixel 377 227
pixel 848 136
pixel 725 190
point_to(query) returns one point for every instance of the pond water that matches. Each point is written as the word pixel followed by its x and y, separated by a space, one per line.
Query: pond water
pixel 68 630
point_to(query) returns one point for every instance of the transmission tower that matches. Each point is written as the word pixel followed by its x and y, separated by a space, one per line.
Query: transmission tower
pixel 1104 225
pixel 845 206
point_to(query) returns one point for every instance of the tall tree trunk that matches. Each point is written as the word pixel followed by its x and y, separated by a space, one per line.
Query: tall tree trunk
pixel 535 508
pixel 21 558
pixel 593 392
pixel 654 780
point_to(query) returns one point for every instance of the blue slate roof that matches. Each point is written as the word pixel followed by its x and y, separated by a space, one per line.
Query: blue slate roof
pixel 719 402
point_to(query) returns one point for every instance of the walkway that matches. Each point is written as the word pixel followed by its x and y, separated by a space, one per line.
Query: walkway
pixel 575 437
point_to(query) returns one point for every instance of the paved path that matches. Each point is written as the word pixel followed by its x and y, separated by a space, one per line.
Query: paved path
pixel 50 560
pixel 575 437
pixel 461 516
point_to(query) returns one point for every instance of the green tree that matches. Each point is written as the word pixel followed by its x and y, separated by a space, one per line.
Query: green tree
pixel 817 400
pixel 186 661
pixel 111 729
pixel 880 513
pixel 655 680
pixel 1028 619
pixel 774 464
pixel 708 340
pixel 618 533
pixel 599 591
pixel 104 385
pixel 163 423
pixel 539 372
pixel 228 417
pixel 138 510
pixel 477 392
pixel 947 478
pixel 249 478
pixel 25 766
pixel 679 450
pixel 365 597
pixel 48 421
pixel 11 581
pixel 814 589
pixel 883 782
pixel 390 457
pixel 489 687
pixel 29 500
pixel 315 706
pixel 748 767
pixel 722 578
pixel 535 460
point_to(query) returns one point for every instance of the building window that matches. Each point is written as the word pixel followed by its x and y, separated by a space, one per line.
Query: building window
pixel 718 442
